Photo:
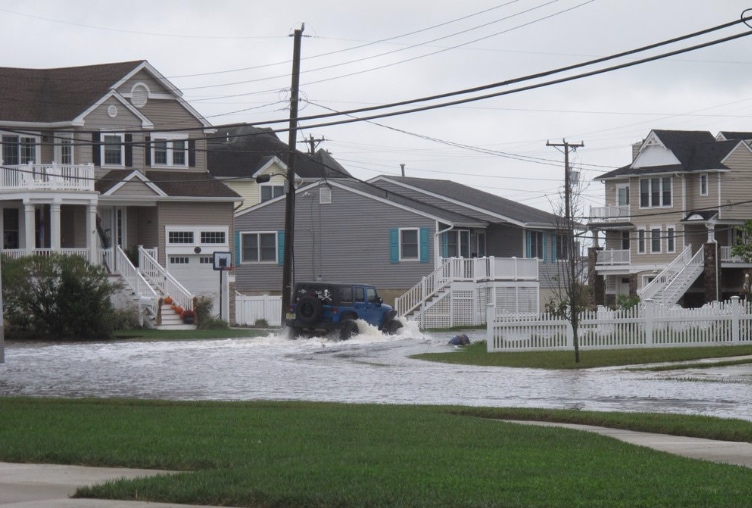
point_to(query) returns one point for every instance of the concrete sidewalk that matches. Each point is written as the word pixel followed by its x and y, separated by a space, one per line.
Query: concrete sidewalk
pixel 725 452
pixel 49 486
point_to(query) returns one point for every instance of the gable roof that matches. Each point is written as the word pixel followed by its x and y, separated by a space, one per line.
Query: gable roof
pixel 474 203
pixel 695 151
pixel 56 95
pixel 240 151
pixel 178 184
pixel 741 136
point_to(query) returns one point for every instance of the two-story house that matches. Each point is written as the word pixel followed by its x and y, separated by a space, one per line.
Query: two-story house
pixel 671 218
pixel 437 249
pixel 241 154
pixel 109 162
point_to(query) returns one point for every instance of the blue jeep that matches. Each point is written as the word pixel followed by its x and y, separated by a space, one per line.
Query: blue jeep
pixel 325 307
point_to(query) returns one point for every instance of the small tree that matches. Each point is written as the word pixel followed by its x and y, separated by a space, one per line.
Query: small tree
pixel 743 247
pixel 57 297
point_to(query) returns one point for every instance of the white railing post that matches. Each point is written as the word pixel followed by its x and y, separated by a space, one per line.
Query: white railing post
pixel 649 321
pixel 490 322
pixel 735 317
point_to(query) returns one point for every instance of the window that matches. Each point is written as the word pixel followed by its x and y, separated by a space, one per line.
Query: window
pixel 622 195
pixel 456 244
pixel 180 237
pixel 206 260
pixel 259 247
pixel 562 247
pixel 704 184
pixel 64 148
pixel 10 228
pixel 641 241
pixel 213 237
pixel 178 260
pixel 655 240
pixel 271 191
pixel 409 246
pixel 113 150
pixel 655 192
pixel 19 150
pixel 481 244
pixel 625 240
pixel 535 244
pixel 169 150
pixel 670 239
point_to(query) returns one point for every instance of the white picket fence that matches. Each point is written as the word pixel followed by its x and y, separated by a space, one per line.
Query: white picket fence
pixel 250 309
pixel 646 325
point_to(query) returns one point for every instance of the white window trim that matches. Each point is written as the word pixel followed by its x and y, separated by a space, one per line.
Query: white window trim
pixel 197 247
pixel 704 177
pixel 660 239
pixel 272 185
pixel 660 192
pixel 617 189
pixel 169 138
pixel 258 247
pixel 641 244
pixel 60 138
pixel 673 228
pixel 103 151
pixel 417 239
pixel 37 141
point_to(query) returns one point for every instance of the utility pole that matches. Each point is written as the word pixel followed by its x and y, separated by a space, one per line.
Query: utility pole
pixel 313 143
pixel 569 220
pixel 288 265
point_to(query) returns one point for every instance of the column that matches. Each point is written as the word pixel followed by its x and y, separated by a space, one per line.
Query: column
pixel 55 234
pixel 91 230
pixel 30 227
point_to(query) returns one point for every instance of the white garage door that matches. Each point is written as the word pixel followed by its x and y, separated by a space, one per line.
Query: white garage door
pixel 196 273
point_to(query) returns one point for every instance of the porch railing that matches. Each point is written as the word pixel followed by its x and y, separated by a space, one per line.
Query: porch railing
pixel 76 177
pixel 465 269
pixel 164 280
pixel 19 253
pixel 613 257
pixel 609 212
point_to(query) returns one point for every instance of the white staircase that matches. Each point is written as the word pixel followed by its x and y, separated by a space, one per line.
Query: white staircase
pixel 671 284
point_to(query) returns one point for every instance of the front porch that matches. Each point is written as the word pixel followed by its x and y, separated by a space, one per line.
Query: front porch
pixel 458 291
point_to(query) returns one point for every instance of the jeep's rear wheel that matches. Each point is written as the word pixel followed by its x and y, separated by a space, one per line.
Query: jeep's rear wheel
pixel 309 309
pixel 348 329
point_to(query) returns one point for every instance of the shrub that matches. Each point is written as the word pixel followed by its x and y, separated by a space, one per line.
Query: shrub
pixel 206 321
pixel 57 297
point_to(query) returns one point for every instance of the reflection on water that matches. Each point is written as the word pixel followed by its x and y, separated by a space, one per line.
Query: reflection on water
pixel 369 368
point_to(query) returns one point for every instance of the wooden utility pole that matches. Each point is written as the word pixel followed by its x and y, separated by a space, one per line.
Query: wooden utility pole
pixel 312 143
pixel 571 244
pixel 288 263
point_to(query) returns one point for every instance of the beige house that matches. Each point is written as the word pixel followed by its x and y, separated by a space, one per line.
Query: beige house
pixel 109 162
pixel 671 218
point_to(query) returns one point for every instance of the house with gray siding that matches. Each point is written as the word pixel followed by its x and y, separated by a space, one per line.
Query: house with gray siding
pixel 109 162
pixel 423 243
pixel 671 218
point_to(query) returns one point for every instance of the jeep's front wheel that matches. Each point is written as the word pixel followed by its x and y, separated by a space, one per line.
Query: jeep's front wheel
pixel 348 329
pixel 309 309
pixel 393 326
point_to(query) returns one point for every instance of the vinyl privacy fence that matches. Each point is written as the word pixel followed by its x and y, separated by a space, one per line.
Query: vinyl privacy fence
pixel 646 325
pixel 250 309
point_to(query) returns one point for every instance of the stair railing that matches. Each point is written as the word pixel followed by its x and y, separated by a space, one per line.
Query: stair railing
pixel 164 280
pixel 147 297
pixel 664 278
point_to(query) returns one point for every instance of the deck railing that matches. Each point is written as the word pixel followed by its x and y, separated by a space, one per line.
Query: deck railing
pixel 75 177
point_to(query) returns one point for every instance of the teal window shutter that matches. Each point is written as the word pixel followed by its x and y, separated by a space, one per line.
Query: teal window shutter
pixel 394 245
pixel 280 247
pixel 237 248
pixel 545 244
pixel 424 247
pixel 553 248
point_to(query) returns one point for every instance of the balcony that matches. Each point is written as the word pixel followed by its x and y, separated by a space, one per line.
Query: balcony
pixel 609 213
pixel 613 257
pixel 66 177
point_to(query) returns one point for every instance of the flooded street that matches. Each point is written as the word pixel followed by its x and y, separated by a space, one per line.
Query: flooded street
pixel 369 368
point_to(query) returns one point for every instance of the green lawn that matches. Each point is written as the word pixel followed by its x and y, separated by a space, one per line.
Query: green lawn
pixel 296 454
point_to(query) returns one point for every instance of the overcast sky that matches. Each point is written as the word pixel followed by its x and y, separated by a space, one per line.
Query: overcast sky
pixel 232 60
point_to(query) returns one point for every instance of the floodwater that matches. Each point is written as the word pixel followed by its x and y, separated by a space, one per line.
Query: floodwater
pixel 370 368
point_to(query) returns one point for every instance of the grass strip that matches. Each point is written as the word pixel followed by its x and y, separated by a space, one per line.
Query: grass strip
pixel 476 354
pixel 301 454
